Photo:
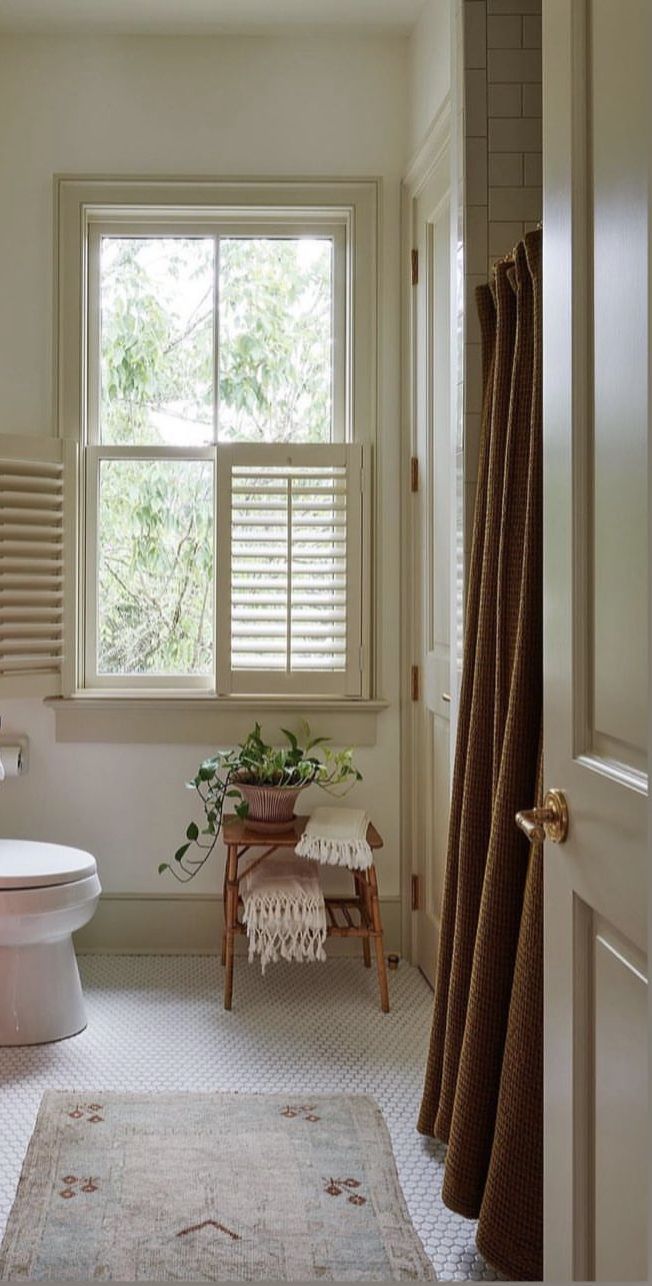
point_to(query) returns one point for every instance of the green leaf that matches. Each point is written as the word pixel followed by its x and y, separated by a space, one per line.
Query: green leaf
pixel 163 866
pixel 291 738
pixel 181 852
pixel 192 831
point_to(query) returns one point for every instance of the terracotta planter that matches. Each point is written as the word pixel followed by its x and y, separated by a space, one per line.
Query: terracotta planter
pixel 271 808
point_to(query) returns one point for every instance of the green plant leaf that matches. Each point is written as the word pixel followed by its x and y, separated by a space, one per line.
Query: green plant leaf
pixel 192 831
pixel 181 852
pixel 163 866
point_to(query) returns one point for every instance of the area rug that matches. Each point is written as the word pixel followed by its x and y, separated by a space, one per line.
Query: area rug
pixel 210 1187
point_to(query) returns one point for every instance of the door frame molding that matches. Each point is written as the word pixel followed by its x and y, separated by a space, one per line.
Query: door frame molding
pixel 437 142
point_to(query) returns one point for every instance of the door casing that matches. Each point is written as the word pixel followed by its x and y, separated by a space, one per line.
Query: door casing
pixel 430 170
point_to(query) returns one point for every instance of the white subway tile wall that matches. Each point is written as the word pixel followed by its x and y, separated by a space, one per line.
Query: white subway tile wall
pixel 505 100
pixel 476 171
pixel 532 100
pixel 505 32
pixel 514 133
pixel 506 169
pixel 503 196
pixel 532 31
pixel 475 33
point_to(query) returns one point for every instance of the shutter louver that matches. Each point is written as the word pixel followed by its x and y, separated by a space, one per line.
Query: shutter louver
pixel 32 539
pixel 291 525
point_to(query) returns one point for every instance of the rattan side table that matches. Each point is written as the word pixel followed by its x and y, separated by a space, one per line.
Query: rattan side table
pixel 357 916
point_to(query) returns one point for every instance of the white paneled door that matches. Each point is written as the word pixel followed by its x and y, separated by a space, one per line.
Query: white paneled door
pixel 596 310
pixel 431 537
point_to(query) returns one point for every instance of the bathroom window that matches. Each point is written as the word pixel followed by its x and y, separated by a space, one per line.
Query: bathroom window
pixel 224 522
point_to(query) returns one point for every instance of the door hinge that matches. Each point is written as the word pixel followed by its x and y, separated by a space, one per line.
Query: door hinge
pixel 414 473
pixel 415 267
pixel 416 892
pixel 414 683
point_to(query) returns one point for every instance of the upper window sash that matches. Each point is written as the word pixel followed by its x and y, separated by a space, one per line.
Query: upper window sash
pixel 291 226
pixel 81 201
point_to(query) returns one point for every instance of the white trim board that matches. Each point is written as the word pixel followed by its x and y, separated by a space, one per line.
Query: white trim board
pixel 170 923
pixel 437 142
pixel 433 145
pixel 200 720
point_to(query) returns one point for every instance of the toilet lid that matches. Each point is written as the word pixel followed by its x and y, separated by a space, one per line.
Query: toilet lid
pixel 27 864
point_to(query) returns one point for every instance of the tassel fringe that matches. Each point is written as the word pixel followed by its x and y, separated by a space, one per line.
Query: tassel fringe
pixel 354 853
pixel 282 927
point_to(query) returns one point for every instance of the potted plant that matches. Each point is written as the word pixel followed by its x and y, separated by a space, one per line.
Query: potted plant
pixel 266 781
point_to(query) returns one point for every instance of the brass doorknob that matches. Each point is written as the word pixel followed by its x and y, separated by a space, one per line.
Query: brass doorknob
pixel 549 822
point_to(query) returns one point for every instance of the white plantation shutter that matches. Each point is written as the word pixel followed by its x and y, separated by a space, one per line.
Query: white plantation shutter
pixel 289 555
pixel 33 539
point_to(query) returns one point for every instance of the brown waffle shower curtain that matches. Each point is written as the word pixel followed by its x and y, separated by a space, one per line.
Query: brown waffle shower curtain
pixel 483 1087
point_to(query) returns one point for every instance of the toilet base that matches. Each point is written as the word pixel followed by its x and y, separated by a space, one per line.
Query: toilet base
pixel 40 993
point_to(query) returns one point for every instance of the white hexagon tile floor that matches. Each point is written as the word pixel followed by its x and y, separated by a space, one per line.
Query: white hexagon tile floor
pixel 157 1023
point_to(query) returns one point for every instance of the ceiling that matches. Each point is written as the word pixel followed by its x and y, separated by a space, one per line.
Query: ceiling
pixel 200 17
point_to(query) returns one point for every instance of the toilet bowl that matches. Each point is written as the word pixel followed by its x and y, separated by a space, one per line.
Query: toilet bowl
pixel 47 891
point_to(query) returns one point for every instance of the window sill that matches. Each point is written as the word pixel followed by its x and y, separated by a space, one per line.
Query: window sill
pixel 203 720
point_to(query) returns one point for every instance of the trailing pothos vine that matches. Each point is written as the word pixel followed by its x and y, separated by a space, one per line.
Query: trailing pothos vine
pixel 254 762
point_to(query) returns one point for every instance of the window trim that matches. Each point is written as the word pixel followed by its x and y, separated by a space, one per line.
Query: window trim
pixel 187 718
pixel 82 202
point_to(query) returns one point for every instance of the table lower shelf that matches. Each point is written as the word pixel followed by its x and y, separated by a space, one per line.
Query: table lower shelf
pixel 334 929
pixel 355 916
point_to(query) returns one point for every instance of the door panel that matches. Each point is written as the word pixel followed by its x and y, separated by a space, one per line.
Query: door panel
pixel 595 642
pixel 618 54
pixel 620 991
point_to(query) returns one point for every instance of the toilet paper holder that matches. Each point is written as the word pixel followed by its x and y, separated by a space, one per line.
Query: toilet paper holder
pixel 12 743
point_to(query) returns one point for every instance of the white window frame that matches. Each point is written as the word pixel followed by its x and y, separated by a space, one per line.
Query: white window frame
pixel 87 209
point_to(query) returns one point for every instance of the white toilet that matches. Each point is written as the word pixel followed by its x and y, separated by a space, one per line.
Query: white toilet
pixel 47 891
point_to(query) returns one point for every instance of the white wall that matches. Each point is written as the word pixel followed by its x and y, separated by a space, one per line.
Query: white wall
pixel 429 68
pixel 327 106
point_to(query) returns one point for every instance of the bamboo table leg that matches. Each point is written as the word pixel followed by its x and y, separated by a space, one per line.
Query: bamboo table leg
pixel 378 941
pixel 226 869
pixel 231 917
pixel 361 890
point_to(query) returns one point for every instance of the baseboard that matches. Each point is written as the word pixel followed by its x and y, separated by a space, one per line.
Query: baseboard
pixel 160 924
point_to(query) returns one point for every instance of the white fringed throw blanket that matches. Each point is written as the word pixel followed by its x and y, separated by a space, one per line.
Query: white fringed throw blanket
pixel 337 837
pixel 284 911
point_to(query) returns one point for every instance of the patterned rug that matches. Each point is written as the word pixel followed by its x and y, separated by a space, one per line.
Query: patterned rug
pixel 210 1187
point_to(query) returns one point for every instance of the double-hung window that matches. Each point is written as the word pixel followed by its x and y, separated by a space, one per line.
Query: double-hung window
pixel 224 422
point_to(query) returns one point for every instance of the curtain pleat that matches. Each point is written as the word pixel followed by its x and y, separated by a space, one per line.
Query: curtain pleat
pixel 483 1078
